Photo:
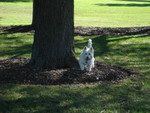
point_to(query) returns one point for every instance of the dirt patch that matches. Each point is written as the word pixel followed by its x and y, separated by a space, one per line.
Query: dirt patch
pixel 18 71
pixel 16 29
pixel 86 31
pixel 89 31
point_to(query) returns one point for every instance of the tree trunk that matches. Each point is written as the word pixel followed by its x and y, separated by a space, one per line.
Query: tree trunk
pixel 54 31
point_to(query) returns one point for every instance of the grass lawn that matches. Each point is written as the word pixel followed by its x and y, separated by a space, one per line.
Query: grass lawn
pixel 101 13
pixel 131 95
pixel 15 13
pixel 107 98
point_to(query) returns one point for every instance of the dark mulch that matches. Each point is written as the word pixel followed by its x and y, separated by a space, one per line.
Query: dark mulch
pixel 18 71
pixel 86 31
pixel 19 28
pixel 89 31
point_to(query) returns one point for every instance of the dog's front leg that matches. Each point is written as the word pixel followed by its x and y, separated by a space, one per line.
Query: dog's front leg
pixel 81 66
pixel 93 65
pixel 93 62
pixel 89 67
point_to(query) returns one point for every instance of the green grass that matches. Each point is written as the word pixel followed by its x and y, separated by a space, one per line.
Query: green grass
pixel 100 13
pixel 15 45
pixel 110 98
pixel 128 51
pixel 16 1
pixel 131 95
pixel 112 13
pixel 15 13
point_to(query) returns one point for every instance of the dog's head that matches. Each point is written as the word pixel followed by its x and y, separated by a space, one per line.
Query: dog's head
pixel 88 53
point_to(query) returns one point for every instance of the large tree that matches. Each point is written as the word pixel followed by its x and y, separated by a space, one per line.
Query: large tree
pixel 54 34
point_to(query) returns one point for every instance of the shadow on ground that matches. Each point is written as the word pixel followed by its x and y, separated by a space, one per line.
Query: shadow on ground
pixel 131 97
pixel 108 49
pixel 101 45
pixel 16 52
pixel 126 5
pixel 135 0
pixel 104 97
pixel 15 0
pixel 15 45
pixel 136 4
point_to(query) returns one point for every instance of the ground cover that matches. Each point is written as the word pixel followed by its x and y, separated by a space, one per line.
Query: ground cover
pixel 128 51
pixel 95 13
pixel 129 95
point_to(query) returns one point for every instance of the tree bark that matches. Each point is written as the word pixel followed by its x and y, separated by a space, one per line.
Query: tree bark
pixel 54 34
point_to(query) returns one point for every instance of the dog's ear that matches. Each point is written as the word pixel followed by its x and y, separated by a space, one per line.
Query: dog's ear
pixel 84 48
pixel 92 49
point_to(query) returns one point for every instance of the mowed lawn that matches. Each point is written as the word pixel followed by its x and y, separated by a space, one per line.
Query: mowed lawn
pixel 97 13
pixel 131 95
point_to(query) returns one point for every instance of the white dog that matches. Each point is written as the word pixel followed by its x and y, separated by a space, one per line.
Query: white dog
pixel 87 57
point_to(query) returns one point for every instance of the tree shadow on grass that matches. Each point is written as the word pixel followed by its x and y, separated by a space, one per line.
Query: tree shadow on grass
pixel 15 0
pixel 124 5
pixel 136 54
pixel 16 52
pixel 128 37
pixel 122 98
pixel 99 44
pixel 128 4
pixel 14 46
pixel 61 100
pixel 135 0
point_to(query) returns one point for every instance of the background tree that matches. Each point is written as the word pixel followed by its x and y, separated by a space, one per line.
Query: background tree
pixel 54 31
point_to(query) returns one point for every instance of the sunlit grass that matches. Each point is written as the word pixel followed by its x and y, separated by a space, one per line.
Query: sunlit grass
pixel 97 13
pixel 112 13
pixel 131 95
pixel 15 13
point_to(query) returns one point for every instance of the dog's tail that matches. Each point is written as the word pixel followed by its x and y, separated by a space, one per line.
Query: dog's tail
pixel 89 43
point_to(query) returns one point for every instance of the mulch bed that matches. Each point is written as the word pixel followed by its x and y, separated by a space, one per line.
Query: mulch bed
pixel 86 31
pixel 18 71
